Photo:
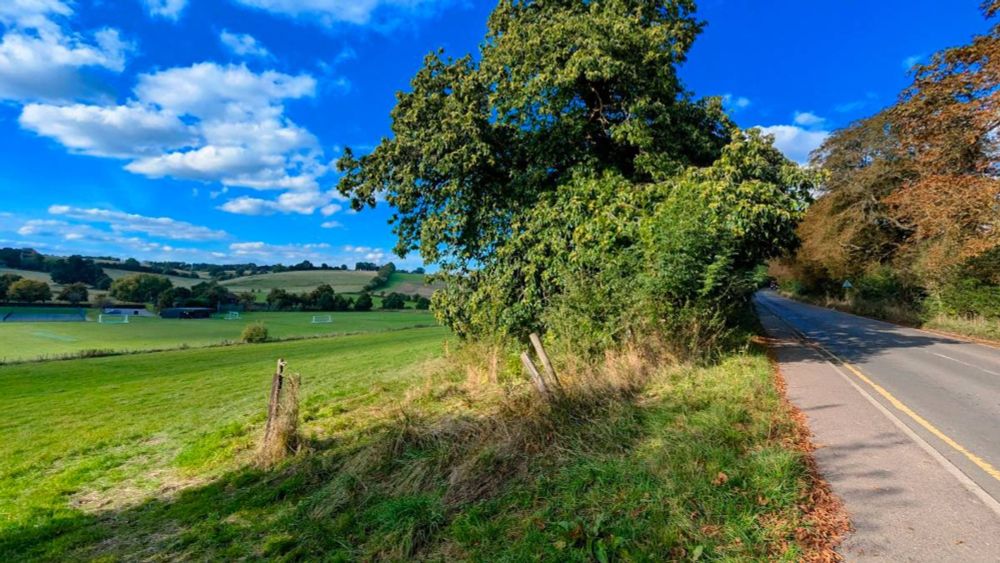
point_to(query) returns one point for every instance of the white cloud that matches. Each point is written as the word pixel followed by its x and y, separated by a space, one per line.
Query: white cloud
pixel 169 9
pixel 120 222
pixel 302 202
pixel 294 252
pixel 212 91
pixel 328 210
pixel 41 59
pixel 243 45
pixel 795 142
pixel 808 119
pixel 735 103
pixel 118 131
pixel 332 12
pixel 206 122
pixel 331 224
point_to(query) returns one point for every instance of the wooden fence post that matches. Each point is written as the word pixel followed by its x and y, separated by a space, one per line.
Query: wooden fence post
pixel 275 399
pixel 536 378
pixel 546 364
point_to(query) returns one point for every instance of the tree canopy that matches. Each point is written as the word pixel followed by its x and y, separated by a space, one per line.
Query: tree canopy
pixel 915 188
pixel 558 87
pixel 535 175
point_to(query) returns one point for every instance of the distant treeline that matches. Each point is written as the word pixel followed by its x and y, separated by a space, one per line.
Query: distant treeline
pixel 89 270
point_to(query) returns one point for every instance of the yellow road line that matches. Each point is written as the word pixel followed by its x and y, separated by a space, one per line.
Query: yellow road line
pixel 978 461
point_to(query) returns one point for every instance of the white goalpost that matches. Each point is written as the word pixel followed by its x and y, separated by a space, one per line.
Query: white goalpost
pixel 112 319
pixel 233 316
pixel 317 319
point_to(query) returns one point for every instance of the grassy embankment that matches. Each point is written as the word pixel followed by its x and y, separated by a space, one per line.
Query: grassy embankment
pixel 24 341
pixel 408 454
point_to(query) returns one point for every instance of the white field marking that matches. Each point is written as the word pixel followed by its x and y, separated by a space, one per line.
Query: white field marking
pixel 991 372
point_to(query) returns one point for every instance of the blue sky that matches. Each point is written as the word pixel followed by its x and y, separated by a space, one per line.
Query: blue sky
pixel 206 130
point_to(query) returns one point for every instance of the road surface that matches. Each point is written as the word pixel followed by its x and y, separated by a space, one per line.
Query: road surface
pixel 907 425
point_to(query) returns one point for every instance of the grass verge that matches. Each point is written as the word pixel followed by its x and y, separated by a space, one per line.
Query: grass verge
pixel 407 454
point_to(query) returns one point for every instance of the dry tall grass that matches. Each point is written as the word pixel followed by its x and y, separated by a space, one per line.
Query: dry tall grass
pixel 281 436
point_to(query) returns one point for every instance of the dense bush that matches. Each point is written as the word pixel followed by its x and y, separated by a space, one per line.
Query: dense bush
pixel 140 288
pixel 394 301
pixel 6 280
pixel 969 298
pixel 75 293
pixel 255 332
pixel 29 291
pixel 363 302
pixel 76 269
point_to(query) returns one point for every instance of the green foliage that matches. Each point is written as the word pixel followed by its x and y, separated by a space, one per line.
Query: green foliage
pixel 76 269
pixel 363 302
pixel 969 298
pixel 559 87
pixel 394 301
pixel 422 303
pixel 6 280
pixel 74 293
pixel 603 257
pixel 255 332
pixel 29 291
pixel 140 288
pixel 566 181
pixel 381 277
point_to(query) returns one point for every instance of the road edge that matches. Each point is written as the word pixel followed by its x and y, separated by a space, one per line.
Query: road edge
pixel 966 481
pixel 826 510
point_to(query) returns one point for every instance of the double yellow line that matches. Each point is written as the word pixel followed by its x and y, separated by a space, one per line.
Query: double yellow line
pixel 975 459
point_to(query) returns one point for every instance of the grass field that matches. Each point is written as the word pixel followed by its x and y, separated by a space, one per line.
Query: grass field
pixel 82 437
pixel 406 458
pixel 301 282
pixel 23 341
pixel 410 284
pixel 176 280
pixel 28 274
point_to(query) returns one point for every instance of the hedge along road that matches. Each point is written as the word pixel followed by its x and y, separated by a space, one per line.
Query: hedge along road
pixel 32 340
pixel 945 389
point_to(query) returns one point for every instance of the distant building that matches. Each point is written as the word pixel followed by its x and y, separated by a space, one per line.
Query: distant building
pixel 130 311
pixel 186 313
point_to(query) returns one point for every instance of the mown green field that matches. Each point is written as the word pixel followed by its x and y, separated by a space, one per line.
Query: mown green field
pixel 85 438
pixel 30 340
pixel 301 282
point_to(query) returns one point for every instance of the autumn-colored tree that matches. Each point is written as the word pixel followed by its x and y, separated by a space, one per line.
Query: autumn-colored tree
pixel 914 188
pixel 949 120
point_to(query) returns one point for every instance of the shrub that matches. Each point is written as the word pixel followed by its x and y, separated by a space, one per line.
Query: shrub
pixel 363 302
pixel 29 291
pixel 394 301
pixel 255 332
pixel 970 298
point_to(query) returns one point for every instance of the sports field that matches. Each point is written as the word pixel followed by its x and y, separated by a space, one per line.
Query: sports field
pixel 32 340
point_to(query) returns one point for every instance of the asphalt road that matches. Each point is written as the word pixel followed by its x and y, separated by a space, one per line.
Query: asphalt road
pixel 953 384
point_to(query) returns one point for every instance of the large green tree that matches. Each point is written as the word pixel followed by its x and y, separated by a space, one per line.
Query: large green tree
pixel 559 86
pixel 140 288
pixel 531 172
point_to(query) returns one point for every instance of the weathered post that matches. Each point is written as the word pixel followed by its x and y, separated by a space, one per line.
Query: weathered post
pixel 536 378
pixel 281 429
pixel 546 364
pixel 275 399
